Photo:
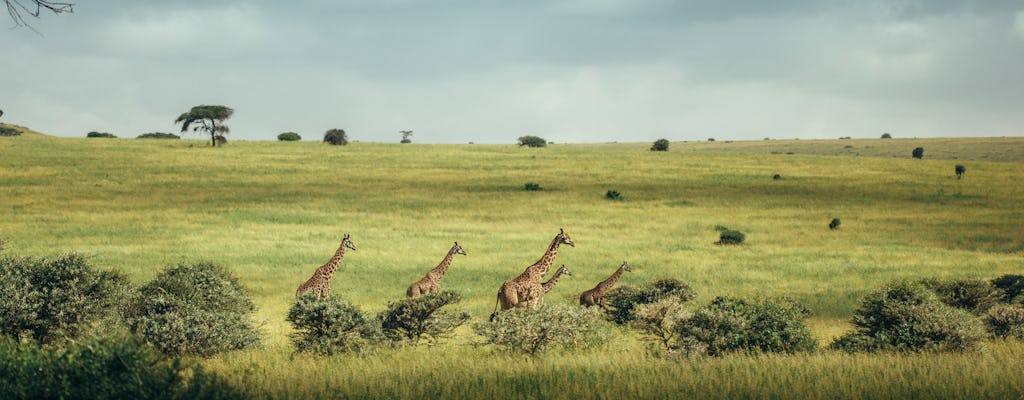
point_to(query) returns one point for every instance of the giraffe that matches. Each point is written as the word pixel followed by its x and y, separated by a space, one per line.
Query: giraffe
pixel 524 289
pixel 320 283
pixel 595 296
pixel 432 281
pixel 550 284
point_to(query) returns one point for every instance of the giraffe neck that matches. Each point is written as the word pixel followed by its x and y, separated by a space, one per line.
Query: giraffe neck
pixel 327 270
pixel 611 280
pixel 551 282
pixel 542 266
pixel 441 268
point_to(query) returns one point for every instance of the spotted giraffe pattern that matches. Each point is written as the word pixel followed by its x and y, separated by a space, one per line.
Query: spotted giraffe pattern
pixel 525 289
pixel 595 296
pixel 320 283
pixel 431 282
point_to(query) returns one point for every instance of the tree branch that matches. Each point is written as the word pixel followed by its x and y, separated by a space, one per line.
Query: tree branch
pixel 19 9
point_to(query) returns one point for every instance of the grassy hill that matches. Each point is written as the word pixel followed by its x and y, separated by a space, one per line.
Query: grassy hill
pixel 274 211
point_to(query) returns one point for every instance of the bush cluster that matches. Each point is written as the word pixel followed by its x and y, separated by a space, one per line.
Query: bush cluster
pixel 613 195
pixel 532 141
pixel 95 134
pixel 414 319
pixel 5 131
pixel 730 236
pixel 336 137
pixel 918 152
pixel 623 299
pixel 198 309
pixel 531 186
pixel 1012 287
pixel 550 327
pixel 158 135
pixel 289 137
pixel 47 300
pixel 1005 320
pixel 729 325
pixel 973 295
pixel 660 145
pixel 330 325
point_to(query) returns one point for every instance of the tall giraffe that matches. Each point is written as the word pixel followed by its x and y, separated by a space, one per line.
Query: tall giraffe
pixel 432 281
pixel 550 284
pixel 320 283
pixel 595 296
pixel 524 289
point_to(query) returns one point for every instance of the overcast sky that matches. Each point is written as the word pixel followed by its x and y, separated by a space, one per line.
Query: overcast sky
pixel 456 71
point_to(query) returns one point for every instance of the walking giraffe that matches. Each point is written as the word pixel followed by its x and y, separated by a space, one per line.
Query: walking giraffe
pixel 595 296
pixel 432 281
pixel 320 283
pixel 525 289
pixel 550 284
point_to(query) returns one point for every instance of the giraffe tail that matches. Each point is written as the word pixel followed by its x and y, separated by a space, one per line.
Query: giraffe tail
pixel 497 300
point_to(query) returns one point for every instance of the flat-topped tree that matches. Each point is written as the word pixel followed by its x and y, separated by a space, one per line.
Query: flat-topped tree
pixel 208 119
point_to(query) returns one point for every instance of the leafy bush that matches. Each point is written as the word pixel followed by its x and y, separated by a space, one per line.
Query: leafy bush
pixel 550 327
pixel 918 152
pixel 1005 320
pixel 47 300
pixel 886 136
pixel 1012 287
pixel 289 137
pixel 199 309
pixel 623 299
pixel 973 295
pixel 730 236
pixel 95 134
pixel 158 135
pixel 660 145
pixel 834 224
pixel 532 186
pixel 413 319
pixel 960 170
pixel 728 325
pixel 336 137
pixel 532 141
pixel 108 368
pixel 907 316
pixel 5 131
pixel 657 322
pixel 330 325
pixel 613 195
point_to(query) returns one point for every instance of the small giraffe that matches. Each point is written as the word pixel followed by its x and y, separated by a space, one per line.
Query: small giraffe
pixel 432 281
pixel 320 283
pixel 550 284
pixel 595 296
pixel 524 289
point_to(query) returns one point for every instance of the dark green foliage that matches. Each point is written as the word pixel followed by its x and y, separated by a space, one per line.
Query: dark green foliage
pixel 657 321
pixel 209 119
pixel 907 316
pixel 531 186
pixel 47 300
pixel 1005 320
pixel 107 368
pixel 776 177
pixel 289 137
pixel 973 295
pixel 886 136
pixel 622 300
pixel 918 152
pixel 336 137
pixel 95 134
pixel 834 224
pixel 613 195
pixel 728 325
pixel 414 319
pixel 330 325
pixel 1012 287
pixel 550 327
pixel 960 170
pixel 198 309
pixel 660 145
pixel 406 134
pixel 730 236
pixel 5 131
pixel 158 135
pixel 532 141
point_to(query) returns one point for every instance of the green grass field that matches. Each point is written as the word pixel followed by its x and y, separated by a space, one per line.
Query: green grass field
pixel 274 211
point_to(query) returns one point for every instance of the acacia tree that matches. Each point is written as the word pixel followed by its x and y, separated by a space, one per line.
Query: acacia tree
pixel 18 9
pixel 207 119
pixel 406 134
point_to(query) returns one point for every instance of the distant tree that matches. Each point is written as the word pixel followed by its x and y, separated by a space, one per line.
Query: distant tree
pixel 532 141
pixel 834 224
pixel 95 134
pixel 289 137
pixel 208 119
pixel 336 137
pixel 886 136
pixel 158 135
pixel 960 169
pixel 406 135
pixel 1 113
pixel 33 8
pixel 918 152
pixel 660 145
pixel 711 139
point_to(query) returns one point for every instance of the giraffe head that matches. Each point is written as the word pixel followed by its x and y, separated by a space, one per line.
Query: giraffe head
pixel 347 242
pixel 625 267
pixel 563 271
pixel 563 238
pixel 458 249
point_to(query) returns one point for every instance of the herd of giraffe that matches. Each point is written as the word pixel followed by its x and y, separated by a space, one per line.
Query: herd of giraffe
pixel 525 290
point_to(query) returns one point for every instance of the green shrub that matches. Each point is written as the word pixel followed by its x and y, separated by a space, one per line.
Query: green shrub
pixel 532 141
pixel 728 325
pixel 336 137
pixel 198 309
pixel 959 170
pixel 107 368
pixel 47 300
pixel 613 195
pixel 834 224
pixel 731 237
pixel 5 131
pixel 622 300
pixel 886 136
pixel 657 321
pixel 532 186
pixel 289 137
pixel 918 152
pixel 660 145
pixel 1005 320
pixel 973 295
pixel 550 327
pixel 158 135
pixel 95 134
pixel 1012 287
pixel 413 319
pixel 907 316
pixel 330 325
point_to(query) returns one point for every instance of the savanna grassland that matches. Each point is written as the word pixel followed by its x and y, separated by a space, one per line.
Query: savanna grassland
pixel 273 211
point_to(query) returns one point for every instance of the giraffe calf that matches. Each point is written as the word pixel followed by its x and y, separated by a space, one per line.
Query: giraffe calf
pixel 595 296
